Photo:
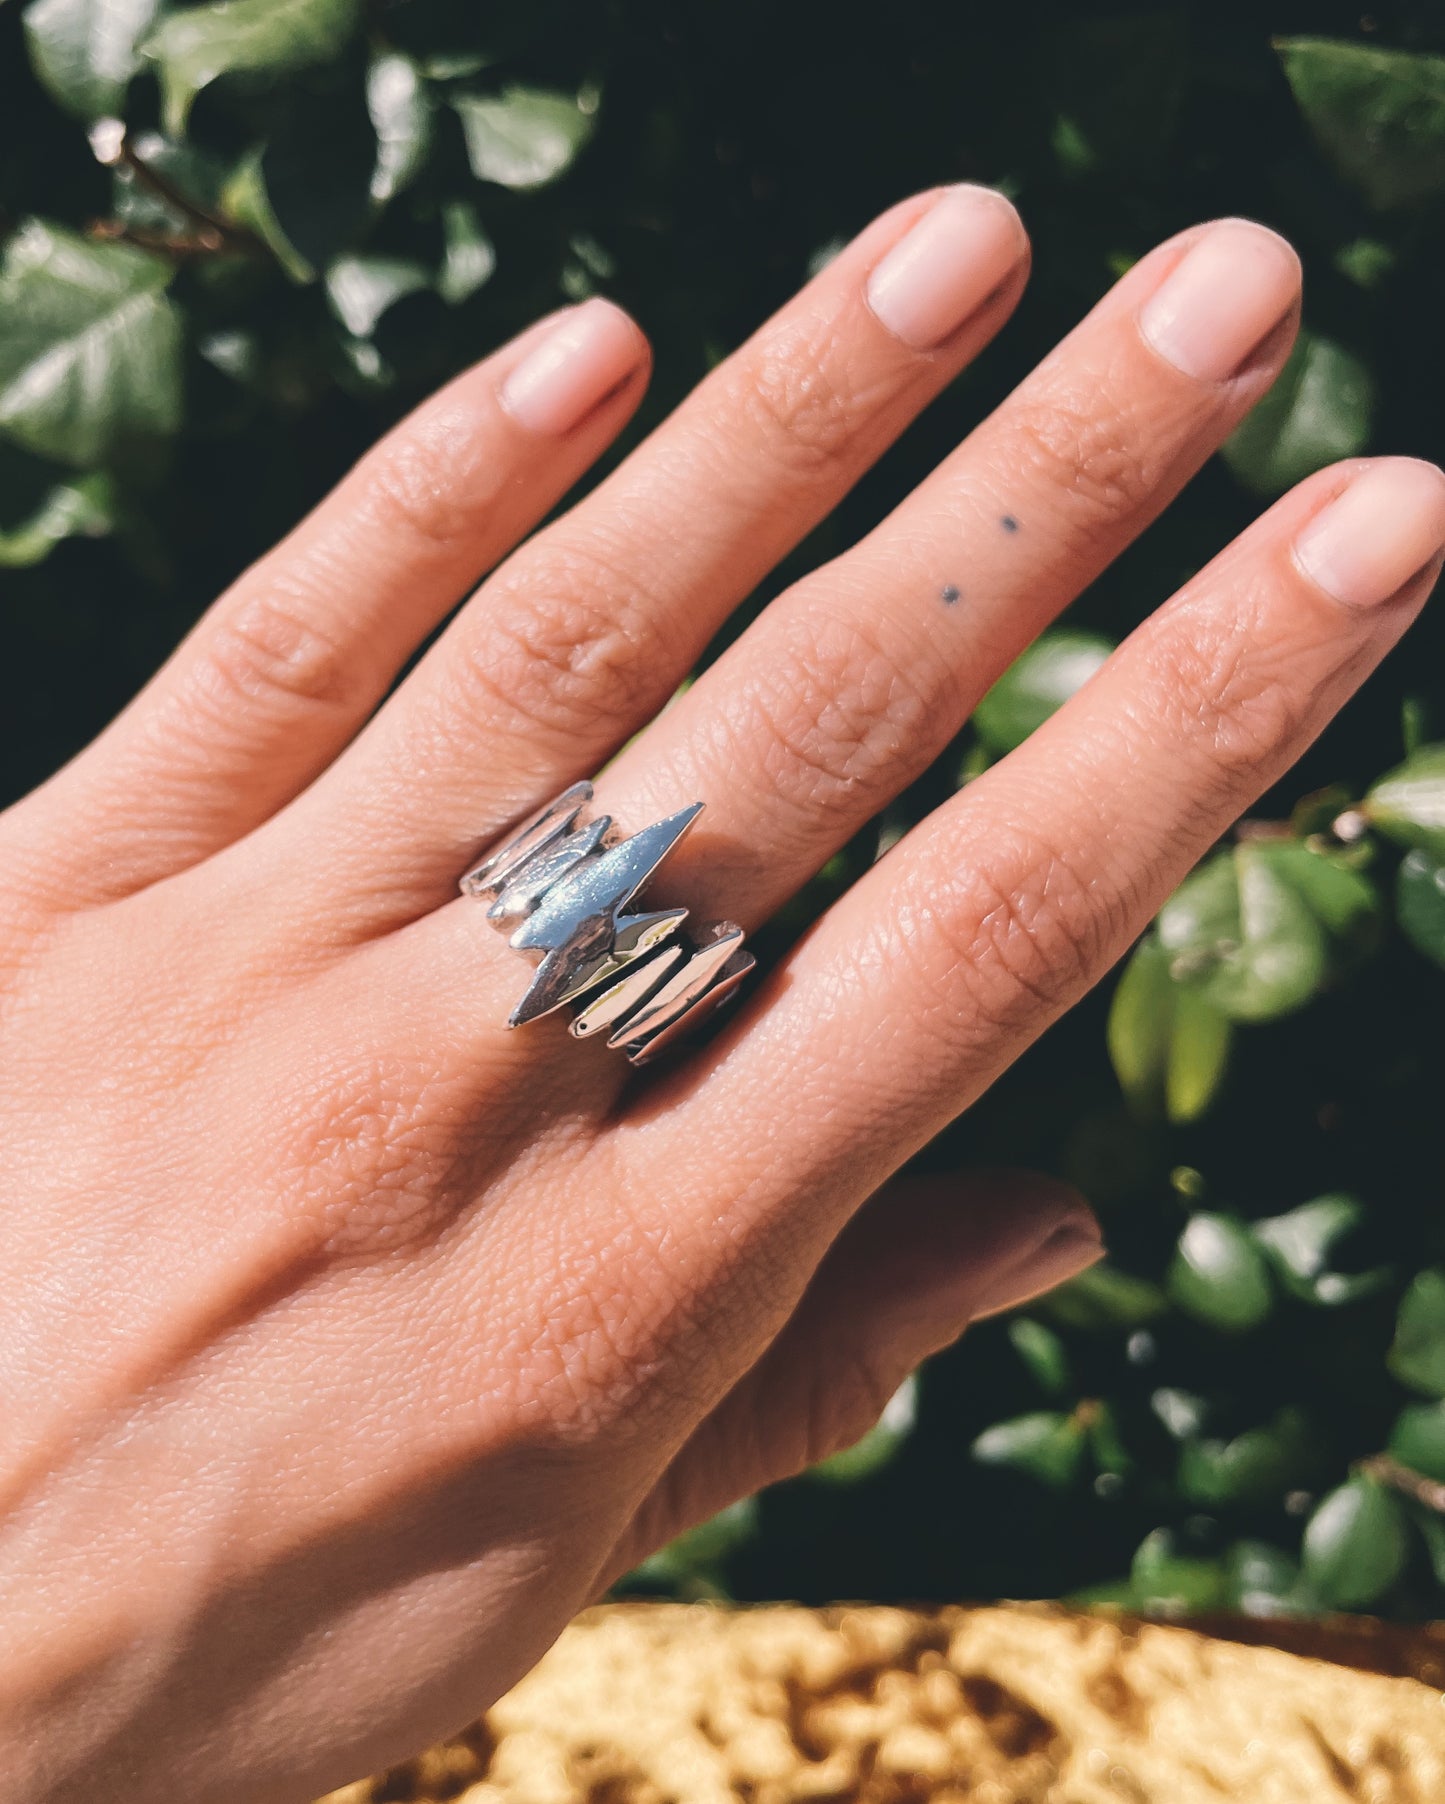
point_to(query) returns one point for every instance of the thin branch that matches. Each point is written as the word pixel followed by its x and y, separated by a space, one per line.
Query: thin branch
pixel 211 235
pixel 1387 1470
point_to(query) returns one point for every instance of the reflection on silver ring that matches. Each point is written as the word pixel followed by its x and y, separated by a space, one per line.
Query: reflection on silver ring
pixel 563 890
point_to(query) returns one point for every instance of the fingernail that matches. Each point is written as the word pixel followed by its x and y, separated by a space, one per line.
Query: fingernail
pixel 1230 290
pixel 1066 1252
pixel 1366 544
pixel 947 266
pixel 587 354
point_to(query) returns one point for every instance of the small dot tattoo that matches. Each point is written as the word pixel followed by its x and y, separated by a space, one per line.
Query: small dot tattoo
pixel 1008 523
pixel 949 594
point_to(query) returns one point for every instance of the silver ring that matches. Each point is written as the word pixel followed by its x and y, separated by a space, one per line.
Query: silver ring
pixel 562 890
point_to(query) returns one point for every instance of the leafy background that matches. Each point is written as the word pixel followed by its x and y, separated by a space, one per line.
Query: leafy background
pixel 240 239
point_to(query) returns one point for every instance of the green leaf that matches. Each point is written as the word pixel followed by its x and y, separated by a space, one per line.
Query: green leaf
pixel 1417 1354
pixel 1378 115
pixel 1418 1439
pixel 1356 1544
pixel 85 51
pixel 90 358
pixel 1408 804
pixel 1045 1445
pixel 1043 1353
pixel 1169 1044
pixel 468 258
pixel 244 37
pixel 70 510
pixel 523 137
pixel 698 1553
pixel 1182 1412
pixel 1320 409
pixel 881 1443
pixel 1247 933
pixel 1420 904
pixel 1219 1274
pixel 360 289
pixel 1263 1580
pixel 1301 1245
pixel 1035 684
pixel 402 117
pixel 1105 1297
pixel 1166 1582
pixel 1256 1467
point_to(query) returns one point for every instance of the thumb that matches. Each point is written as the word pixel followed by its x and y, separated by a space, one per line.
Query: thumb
pixel 921 1260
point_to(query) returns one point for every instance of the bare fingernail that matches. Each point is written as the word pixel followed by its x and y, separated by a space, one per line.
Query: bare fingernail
pixel 1366 544
pixel 1069 1250
pixel 946 267
pixel 1230 290
pixel 587 354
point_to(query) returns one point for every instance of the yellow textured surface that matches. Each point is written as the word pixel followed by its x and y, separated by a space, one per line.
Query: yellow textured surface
pixel 668 1704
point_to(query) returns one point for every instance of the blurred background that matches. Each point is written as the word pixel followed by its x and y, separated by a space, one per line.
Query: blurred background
pixel 240 239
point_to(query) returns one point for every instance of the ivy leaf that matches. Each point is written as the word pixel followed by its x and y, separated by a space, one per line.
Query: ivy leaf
pixel 90 358
pixel 1046 1445
pixel 361 289
pixel 70 510
pixel 1378 115
pixel 1219 1274
pixel 1301 1245
pixel 1356 1544
pixel 85 51
pixel 244 37
pixel 1408 804
pixel 468 258
pixel 1168 1582
pixel 1417 1354
pixel 1418 1439
pixel 1420 904
pixel 1169 1044
pixel 1255 1467
pixel 1037 683
pixel 1043 1353
pixel 1319 409
pixel 402 117
pixel 523 137
pixel 879 1445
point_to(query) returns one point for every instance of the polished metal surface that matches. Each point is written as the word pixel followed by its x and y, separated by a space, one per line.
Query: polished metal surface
pixel 565 891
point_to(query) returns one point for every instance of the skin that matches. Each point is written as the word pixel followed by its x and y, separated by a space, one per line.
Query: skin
pixel 342 1322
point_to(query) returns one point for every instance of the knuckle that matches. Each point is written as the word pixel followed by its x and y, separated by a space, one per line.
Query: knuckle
pixel 427 486
pixel 1093 452
pixel 269 647
pixel 569 641
pixel 828 719
pixel 793 391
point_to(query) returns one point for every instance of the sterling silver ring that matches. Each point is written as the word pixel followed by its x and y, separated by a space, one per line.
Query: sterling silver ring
pixel 562 890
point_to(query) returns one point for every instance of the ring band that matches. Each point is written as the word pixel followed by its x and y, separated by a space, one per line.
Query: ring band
pixel 564 890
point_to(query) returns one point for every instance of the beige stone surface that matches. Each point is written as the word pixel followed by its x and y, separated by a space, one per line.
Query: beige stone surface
pixel 689 1704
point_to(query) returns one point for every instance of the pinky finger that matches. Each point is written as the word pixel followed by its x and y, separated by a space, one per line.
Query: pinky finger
pixel 281 672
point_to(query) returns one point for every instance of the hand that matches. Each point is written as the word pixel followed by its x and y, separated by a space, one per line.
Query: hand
pixel 343 1322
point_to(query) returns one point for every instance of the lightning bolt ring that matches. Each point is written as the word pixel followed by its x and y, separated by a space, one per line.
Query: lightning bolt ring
pixel 564 891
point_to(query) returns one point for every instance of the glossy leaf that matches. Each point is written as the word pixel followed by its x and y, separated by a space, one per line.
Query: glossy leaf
pixel 1262 1579
pixel 1301 1246
pixel 1319 409
pixel 1168 1042
pixel 1420 904
pixel 523 137
pixel 1045 1445
pixel 1255 1467
pixel 70 510
pixel 1378 115
pixel 1408 804
pixel 86 51
pixel 1035 684
pixel 1418 1439
pixel 1417 1355
pixel 401 116
pixel 306 192
pixel 1105 1297
pixel 1043 1353
pixel 468 258
pixel 1219 1274
pixel 1168 1582
pixel 360 289
pixel 881 1443
pixel 197 44
pixel 90 354
pixel 1356 1544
